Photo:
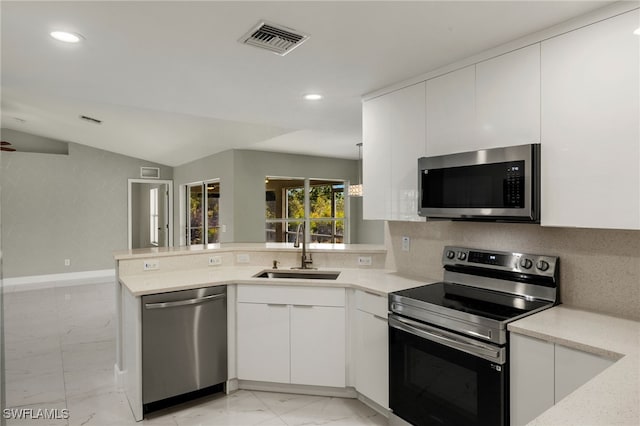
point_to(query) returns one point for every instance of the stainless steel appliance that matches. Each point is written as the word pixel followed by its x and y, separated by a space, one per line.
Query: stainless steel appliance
pixel 448 352
pixel 500 184
pixel 184 345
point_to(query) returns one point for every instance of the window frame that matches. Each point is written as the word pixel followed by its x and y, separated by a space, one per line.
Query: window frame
pixel 205 208
pixel 307 209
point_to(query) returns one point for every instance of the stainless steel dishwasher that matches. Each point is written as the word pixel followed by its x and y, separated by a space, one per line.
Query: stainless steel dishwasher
pixel 184 345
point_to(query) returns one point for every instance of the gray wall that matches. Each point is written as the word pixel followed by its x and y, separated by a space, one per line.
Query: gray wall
pixel 57 207
pixel 242 196
pixel 2 377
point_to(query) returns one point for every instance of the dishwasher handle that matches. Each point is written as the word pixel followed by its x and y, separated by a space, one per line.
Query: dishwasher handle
pixel 195 301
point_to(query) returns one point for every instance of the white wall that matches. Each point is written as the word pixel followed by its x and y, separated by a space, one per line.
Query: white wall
pixel 57 207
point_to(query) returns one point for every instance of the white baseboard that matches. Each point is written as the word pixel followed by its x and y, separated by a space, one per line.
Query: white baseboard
pixel 58 280
pixel 298 389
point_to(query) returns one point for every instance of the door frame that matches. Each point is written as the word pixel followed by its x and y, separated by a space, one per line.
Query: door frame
pixel 169 184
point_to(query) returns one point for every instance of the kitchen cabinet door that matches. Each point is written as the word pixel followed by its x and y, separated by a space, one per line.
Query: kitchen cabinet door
pixel 508 99
pixel 450 113
pixel 575 368
pixel 263 342
pixel 318 345
pixel 376 154
pixel 393 140
pixel 407 143
pixel 591 126
pixel 531 378
pixel 372 357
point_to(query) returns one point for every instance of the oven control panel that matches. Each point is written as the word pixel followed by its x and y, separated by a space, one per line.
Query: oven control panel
pixel 506 261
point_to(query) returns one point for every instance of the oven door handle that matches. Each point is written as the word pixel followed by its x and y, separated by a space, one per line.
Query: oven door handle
pixel 447 339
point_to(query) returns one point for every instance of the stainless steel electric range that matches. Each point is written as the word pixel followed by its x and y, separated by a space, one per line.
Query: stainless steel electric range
pixel 448 351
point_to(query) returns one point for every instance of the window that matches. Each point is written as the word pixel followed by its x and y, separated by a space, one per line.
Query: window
pixel 203 207
pixel 320 204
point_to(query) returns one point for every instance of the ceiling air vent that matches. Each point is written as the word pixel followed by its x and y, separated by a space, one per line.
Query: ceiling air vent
pixel 275 38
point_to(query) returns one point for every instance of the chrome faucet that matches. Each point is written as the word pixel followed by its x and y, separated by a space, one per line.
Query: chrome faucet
pixel 305 262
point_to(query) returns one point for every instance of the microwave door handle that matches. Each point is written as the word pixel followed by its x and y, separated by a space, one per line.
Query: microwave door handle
pixel 420 330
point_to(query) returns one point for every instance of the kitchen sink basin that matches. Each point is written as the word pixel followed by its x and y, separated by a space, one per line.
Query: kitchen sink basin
pixel 298 274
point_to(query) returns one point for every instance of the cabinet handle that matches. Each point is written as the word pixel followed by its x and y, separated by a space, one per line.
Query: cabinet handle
pixel 372 293
pixel 277 305
pixel 303 306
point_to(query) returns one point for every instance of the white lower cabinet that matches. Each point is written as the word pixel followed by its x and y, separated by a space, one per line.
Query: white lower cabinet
pixel 263 342
pixel 542 373
pixel 318 345
pixel 575 368
pixel 372 348
pixel 291 335
pixel 531 378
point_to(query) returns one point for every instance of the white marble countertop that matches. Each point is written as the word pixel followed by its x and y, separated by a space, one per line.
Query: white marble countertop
pixel 613 396
pixel 379 281
pixel 225 247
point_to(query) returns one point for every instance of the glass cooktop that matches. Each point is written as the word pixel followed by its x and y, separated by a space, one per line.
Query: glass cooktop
pixel 476 301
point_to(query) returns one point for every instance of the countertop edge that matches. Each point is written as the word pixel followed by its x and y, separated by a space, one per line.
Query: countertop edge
pixel 245 247
pixel 244 276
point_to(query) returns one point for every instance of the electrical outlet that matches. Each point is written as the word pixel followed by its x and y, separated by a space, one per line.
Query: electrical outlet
pixel 151 265
pixel 364 260
pixel 242 258
pixel 215 260
pixel 406 242
pixel 67 262
pixel 223 228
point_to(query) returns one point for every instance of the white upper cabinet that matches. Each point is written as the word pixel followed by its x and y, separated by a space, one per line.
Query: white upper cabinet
pixel 508 99
pixel 591 126
pixel 393 139
pixel 407 145
pixel 376 152
pixel 451 112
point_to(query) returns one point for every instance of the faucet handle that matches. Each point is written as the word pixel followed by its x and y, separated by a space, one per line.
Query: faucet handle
pixel 275 264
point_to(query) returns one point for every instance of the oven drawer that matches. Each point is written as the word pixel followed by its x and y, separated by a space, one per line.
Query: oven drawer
pixel 372 303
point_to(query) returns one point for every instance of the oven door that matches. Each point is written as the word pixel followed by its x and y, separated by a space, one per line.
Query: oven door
pixel 441 378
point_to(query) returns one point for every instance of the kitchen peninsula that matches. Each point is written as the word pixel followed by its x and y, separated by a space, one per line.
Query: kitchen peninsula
pixel 611 396
pixel 363 281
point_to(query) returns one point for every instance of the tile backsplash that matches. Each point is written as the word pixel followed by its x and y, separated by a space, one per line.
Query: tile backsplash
pixel 599 269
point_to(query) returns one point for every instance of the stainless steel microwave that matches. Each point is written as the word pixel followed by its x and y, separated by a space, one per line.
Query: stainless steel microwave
pixel 499 184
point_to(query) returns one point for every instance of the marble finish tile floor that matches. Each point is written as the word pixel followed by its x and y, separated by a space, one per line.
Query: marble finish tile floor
pixel 60 353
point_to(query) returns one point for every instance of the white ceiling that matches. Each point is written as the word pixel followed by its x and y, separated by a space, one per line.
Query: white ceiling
pixel 172 84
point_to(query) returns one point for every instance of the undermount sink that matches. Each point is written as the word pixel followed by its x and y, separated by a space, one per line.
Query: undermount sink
pixel 298 274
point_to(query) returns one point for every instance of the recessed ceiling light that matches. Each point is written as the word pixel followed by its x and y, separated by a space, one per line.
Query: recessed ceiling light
pixel 313 97
pixel 66 37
